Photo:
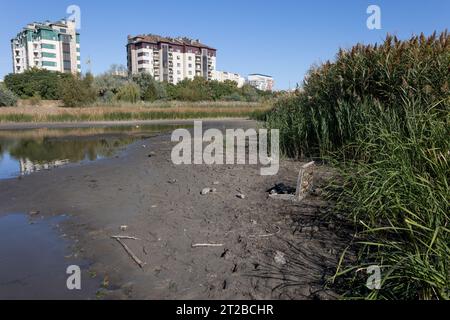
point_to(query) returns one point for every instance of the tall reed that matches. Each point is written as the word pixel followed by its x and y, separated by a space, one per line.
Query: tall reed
pixel 381 114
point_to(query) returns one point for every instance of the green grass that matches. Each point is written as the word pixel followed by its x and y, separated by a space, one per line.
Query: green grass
pixel 399 200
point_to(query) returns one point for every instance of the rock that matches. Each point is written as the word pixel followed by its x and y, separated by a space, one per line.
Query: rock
pixel 216 183
pixel 123 228
pixel 208 190
pixel 204 191
pixel 34 213
pixel 151 154
pixel 241 196
pixel 172 181
pixel 280 258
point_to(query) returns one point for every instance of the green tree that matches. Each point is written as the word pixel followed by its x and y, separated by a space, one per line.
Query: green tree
pixel 78 92
pixel 129 93
pixel 150 89
pixel 7 97
pixel 36 82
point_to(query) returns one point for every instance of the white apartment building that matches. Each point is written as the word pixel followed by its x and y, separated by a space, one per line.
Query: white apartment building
pixel 170 59
pixel 52 46
pixel 261 81
pixel 222 76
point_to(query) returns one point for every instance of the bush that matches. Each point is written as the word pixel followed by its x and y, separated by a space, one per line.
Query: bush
pixel 33 82
pixel 193 90
pixel 7 97
pixel 250 93
pixel 108 83
pixel 77 92
pixel 150 89
pixel 235 96
pixel 129 93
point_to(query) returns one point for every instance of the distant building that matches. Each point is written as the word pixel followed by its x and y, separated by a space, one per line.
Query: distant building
pixel 221 76
pixel 170 59
pixel 52 46
pixel 261 81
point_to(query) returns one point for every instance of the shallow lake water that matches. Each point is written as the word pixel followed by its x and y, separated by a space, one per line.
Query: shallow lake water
pixel 34 257
pixel 23 152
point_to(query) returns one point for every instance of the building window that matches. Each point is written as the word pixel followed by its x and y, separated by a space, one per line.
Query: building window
pixel 48 46
pixel 190 73
pixel 190 65
pixel 48 55
pixel 48 64
pixel 178 65
pixel 190 58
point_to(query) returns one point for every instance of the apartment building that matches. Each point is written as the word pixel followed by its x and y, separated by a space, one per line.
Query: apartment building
pixel 261 81
pixel 52 46
pixel 222 76
pixel 170 59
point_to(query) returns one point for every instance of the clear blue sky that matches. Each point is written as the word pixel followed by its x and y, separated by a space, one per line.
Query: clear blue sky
pixel 282 38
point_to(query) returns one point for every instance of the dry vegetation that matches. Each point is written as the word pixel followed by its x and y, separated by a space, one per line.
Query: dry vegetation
pixel 125 111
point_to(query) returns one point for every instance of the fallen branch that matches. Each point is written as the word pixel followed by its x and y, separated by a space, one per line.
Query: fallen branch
pixel 198 245
pixel 128 250
pixel 125 237
pixel 265 235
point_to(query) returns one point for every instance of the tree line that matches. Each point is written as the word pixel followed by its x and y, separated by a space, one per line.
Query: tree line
pixel 84 90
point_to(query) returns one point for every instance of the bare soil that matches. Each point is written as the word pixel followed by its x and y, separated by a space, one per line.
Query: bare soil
pixel 271 248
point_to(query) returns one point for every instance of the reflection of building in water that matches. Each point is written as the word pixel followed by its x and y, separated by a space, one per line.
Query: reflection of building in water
pixel 27 166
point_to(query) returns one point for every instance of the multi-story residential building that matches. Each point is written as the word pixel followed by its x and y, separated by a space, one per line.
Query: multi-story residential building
pixel 52 46
pixel 261 81
pixel 170 59
pixel 222 76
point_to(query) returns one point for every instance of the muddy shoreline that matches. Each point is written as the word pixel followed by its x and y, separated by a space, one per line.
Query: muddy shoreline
pixel 161 205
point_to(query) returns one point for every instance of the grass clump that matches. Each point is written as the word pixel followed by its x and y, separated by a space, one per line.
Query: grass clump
pixel 380 113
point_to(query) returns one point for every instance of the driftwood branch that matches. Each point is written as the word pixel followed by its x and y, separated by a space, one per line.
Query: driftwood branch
pixel 265 235
pixel 198 245
pixel 125 237
pixel 128 250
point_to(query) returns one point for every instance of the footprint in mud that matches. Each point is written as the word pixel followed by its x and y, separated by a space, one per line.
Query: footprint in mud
pixel 93 184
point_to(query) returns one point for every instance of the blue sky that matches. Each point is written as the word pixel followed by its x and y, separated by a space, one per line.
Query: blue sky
pixel 282 38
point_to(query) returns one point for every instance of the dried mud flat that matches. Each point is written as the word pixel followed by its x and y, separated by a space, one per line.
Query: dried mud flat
pixel 268 249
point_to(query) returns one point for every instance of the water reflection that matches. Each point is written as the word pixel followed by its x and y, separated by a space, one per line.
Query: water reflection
pixel 34 258
pixel 26 151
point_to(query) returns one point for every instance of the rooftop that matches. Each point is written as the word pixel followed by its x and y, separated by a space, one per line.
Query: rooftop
pixel 260 74
pixel 183 41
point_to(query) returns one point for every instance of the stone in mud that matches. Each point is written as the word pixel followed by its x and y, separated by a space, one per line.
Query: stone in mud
pixel 280 258
pixel 208 190
pixel 241 196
